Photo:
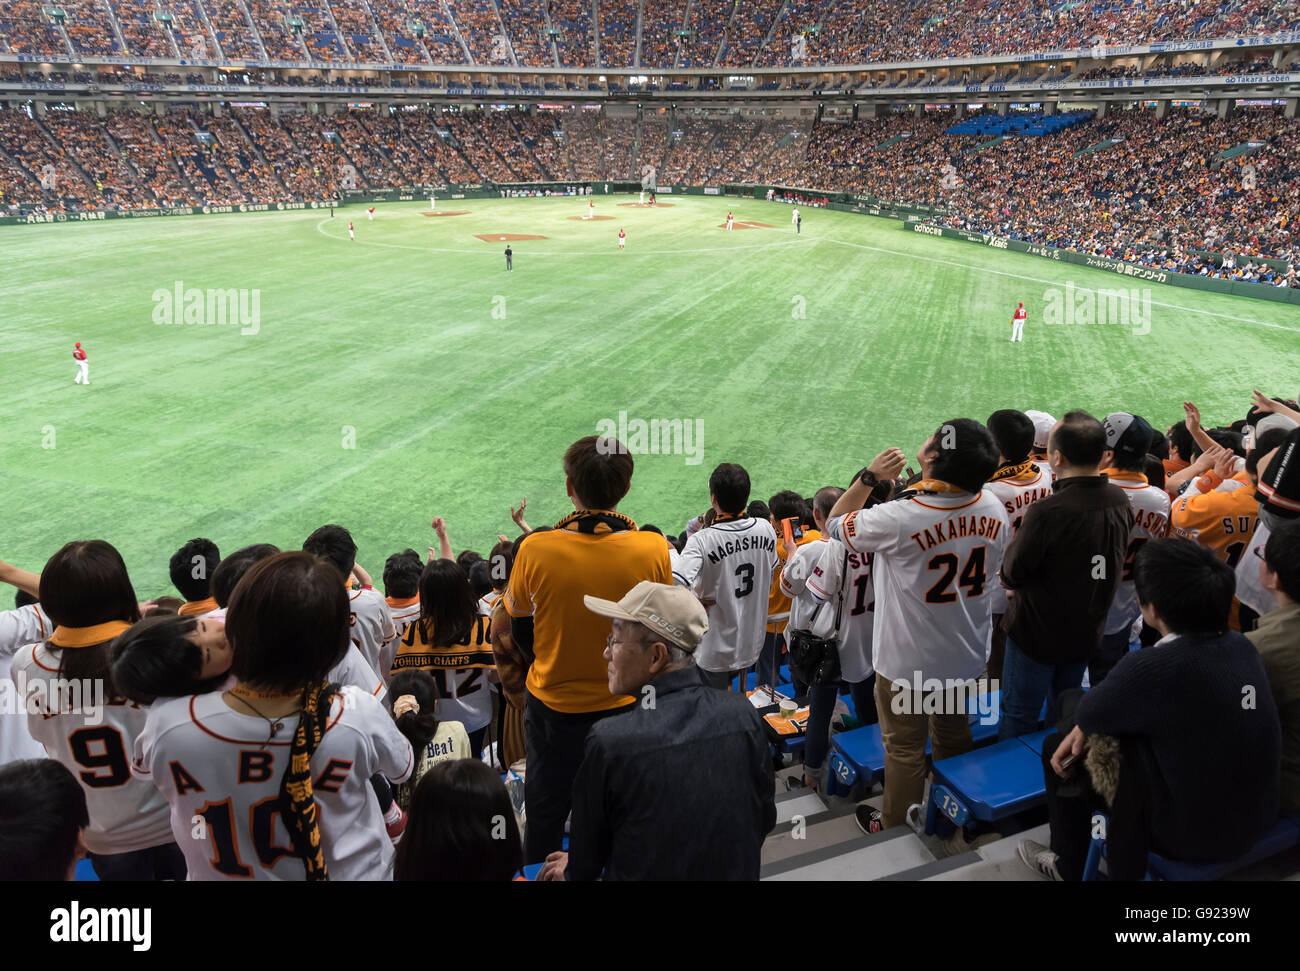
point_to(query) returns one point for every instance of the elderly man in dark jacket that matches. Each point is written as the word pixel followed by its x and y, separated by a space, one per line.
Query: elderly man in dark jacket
pixel 1061 571
pixel 680 786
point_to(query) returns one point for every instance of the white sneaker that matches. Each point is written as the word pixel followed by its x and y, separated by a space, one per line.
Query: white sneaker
pixel 1039 858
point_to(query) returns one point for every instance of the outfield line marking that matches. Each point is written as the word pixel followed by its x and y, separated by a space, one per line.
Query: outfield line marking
pixel 612 252
pixel 1034 279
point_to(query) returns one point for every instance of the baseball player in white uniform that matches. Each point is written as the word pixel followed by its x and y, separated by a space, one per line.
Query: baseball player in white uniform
pixel 83 365
pixel 938 547
pixel 729 566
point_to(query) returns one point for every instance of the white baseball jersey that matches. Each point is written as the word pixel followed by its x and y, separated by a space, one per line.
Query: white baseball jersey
pixel 1150 521
pixel 372 630
pixel 403 613
pixel 821 575
pixel 731 563
pixel 95 744
pixel 937 553
pixel 353 670
pixel 1017 488
pixel 18 627
pixel 221 776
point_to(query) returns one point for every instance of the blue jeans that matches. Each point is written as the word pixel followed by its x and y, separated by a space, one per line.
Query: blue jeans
pixel 1026 684
pixel 821 698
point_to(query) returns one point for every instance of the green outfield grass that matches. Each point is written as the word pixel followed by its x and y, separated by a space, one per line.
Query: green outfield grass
pixel 462 385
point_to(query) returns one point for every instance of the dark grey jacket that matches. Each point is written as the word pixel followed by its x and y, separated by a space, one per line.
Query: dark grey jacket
pixel 681 790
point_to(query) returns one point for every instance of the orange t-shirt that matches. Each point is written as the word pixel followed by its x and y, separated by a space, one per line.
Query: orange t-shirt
pixel 551 574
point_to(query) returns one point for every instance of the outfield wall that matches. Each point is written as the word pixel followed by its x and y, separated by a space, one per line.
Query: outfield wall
pixel 1135 271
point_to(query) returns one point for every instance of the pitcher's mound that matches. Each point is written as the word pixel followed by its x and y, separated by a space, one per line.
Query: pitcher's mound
pixel 447 212
pixel 645 205
pixel 746 225
pixel 503 237
pixel 587 219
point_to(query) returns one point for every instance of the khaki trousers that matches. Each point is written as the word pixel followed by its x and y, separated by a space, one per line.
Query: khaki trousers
pixel 904 734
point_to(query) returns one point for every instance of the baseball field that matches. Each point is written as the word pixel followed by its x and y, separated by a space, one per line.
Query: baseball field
pixel 254 376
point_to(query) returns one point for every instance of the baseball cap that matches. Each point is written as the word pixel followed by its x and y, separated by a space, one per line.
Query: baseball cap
pixel 1127 434
pixel 1043 423
pixel 1279 486
pixel 671 611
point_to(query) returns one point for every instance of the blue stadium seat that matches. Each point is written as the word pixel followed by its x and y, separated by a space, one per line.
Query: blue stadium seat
pixel 1284 835
pixel 988 784
pixel 860 754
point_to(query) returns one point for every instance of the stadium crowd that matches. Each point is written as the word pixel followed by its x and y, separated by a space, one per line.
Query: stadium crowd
pixel 752 32
pixel 406 706
pixel 1158 192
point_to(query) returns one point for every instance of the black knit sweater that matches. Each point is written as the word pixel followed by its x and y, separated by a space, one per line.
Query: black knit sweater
pixel 1212 748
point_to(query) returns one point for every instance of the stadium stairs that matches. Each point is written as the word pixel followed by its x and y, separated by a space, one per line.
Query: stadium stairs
pixel 976 809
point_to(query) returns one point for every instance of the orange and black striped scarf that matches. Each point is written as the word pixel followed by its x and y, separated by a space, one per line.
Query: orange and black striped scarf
pixel 1026 467
pixel 595 521
pixel 298 808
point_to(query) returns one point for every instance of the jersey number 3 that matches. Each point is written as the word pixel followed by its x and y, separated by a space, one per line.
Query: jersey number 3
pixel 745 573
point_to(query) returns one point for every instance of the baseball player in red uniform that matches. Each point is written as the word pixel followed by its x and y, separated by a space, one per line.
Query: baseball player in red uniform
pixel 351 234
pixel 622 239
pixel 370 213
pixel 1018 324
pixel 730 220
pixel 83 365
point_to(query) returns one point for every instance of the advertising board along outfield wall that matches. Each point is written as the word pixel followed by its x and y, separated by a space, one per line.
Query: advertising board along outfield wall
pixel 1136 271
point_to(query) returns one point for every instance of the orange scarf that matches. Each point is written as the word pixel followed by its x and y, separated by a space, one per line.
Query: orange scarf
pixel 87 636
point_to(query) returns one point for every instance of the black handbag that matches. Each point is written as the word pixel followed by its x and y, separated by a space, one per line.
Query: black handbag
pixel 816 660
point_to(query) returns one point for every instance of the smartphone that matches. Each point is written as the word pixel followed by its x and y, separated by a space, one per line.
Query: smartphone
pixel 792 529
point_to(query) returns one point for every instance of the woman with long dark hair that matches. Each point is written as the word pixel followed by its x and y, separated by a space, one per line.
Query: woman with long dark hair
pixel 450 641
pixel 85 722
